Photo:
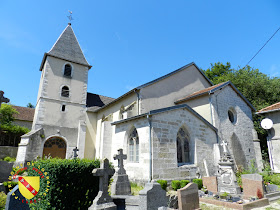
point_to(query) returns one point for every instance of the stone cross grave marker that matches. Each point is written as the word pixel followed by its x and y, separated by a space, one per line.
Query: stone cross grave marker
pixel 75 152
pixel 224 144
pixel 3 99
pixel 120 185
pixel 120 157
pixel 103 200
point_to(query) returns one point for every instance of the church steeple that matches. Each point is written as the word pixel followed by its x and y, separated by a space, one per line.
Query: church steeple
pixel 67 47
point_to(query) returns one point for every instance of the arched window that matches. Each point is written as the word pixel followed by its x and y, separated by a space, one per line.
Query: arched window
pixel 65 91
pixel 133 146
pixel 67 70
pixel 183 147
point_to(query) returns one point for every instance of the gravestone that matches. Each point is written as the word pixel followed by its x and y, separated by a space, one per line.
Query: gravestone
pixel 14 200
pixel 120 185
pixel 3 99
pixel 252 185
pixel 271 188
pixel 227 181
pixel 103 200
pixel 210 183
pixel 152 197
pixel 188 197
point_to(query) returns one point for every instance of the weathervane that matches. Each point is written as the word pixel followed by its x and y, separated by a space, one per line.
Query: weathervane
pixel 70 16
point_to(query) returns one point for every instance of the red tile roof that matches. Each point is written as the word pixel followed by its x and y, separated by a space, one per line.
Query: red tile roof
pixel 25 113
pixel 198 93
pixel 270 108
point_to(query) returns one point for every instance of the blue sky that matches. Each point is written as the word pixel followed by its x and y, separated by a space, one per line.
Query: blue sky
pixel 129 43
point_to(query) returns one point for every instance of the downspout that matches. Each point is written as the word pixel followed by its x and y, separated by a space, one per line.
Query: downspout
pixel 138 99
pixel 149 117
pixel 211 113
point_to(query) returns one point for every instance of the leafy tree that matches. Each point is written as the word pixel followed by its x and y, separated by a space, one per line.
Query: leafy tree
pixel 260 89
pixel 9 133
pixel 7 113
pixel 29 105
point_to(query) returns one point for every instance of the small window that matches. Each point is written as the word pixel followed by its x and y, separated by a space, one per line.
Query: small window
pixel 133 146
pixel 183 147
pixel 63 108
pixel 67 70
pixel 232 116
pixel 65 91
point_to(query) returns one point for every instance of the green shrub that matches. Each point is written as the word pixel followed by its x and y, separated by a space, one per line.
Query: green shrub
pixel 176 184
pixel 9 185
pixel 135 188
pixel 198 182
pixel 275 179
pixel 163 184
pixel 71 183
pixel 9 159
pixel 3 198
pixel 183 183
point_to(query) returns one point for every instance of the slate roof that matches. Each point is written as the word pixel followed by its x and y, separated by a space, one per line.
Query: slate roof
pixel 95 101
pixel 25 113
pixel 211 90
pixel 152 82
pixel 67 48
pixel 271 108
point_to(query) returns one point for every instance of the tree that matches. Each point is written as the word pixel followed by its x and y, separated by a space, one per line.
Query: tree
pixel 29 105
pixel 7 113
pixel 9 133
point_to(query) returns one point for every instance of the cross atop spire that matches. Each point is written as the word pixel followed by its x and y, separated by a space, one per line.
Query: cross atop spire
pixel 70 17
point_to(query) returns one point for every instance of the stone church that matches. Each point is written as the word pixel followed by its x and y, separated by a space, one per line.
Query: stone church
pixel 170 128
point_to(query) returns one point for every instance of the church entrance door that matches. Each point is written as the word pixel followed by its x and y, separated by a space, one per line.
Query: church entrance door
pixel 55 147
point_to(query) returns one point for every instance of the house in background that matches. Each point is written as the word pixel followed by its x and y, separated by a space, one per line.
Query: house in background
pixel 273 112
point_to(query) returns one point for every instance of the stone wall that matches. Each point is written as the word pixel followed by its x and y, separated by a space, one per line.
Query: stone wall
pixel 239 134
pixel 202 138
pixel 8 151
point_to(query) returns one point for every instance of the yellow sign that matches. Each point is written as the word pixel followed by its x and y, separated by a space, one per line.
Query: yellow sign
pixel 29 186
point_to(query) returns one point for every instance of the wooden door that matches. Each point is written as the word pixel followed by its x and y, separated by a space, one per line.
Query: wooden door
pixel 55 147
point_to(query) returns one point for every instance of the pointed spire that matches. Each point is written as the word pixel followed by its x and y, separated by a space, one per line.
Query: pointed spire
pixel 67 47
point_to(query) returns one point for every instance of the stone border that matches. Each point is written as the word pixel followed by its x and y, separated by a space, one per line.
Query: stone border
pixel 254 204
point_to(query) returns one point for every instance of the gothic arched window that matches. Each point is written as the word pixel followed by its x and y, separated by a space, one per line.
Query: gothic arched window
pixel 183 147
pixel 133 146
pixel 65 91
pixel 67 70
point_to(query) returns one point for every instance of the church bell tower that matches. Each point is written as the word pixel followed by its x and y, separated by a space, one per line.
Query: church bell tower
pixel 61 102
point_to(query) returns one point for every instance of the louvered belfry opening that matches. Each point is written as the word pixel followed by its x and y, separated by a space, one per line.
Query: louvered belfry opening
pixel 65 91
pixel 67 70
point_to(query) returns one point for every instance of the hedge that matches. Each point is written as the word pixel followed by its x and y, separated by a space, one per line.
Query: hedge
pixel 163 184
pixel 198 182
pixel 71 183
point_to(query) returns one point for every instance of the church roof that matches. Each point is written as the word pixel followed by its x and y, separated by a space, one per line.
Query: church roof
pixel 67 48
pixel 152 82
pixel 272 108
pixel 95 101
pixel 158 111
pixel 24 113
pixel 211 90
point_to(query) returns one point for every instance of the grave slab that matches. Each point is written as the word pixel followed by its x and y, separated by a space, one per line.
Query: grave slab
pixel 252 183
pixel 210 183
pixel 188 198
pixel 152 197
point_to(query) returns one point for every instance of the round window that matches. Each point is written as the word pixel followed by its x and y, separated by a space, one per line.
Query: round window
pixel 232 116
